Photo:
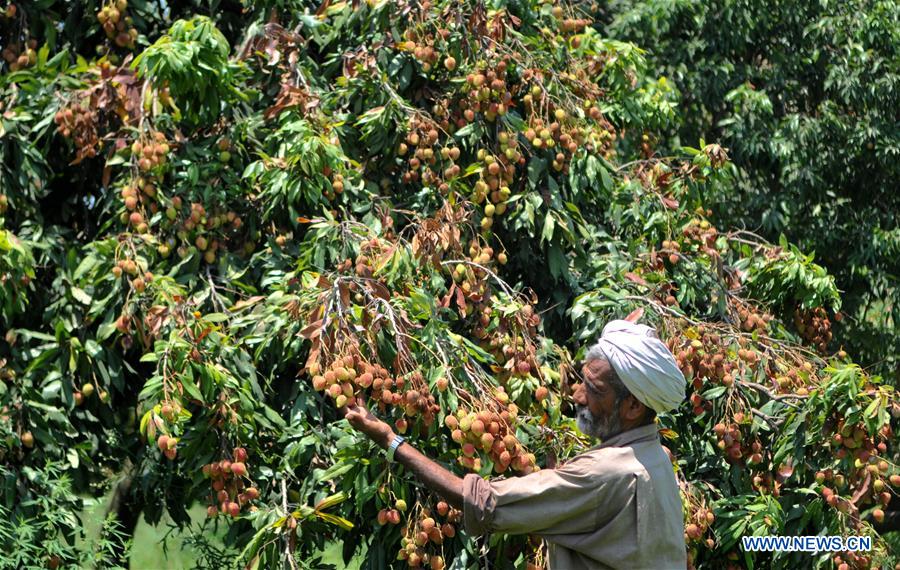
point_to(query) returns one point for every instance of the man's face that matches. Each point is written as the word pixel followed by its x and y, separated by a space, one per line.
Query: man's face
pixel 597 411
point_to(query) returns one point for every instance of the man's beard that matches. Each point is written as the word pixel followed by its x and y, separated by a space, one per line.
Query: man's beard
pixel 601 428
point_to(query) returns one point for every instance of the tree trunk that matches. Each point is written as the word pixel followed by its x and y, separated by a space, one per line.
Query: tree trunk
pixel 127 510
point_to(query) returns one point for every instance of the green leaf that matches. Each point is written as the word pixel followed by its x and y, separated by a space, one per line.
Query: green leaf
pixel 335 471
pixel 187 381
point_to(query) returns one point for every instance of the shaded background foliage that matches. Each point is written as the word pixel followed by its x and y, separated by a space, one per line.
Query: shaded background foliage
pixel 201 216
pixel 805 97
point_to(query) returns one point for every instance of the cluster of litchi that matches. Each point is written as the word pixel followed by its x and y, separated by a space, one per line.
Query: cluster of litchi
pixel 364 264
pixel 795 380
pixel 341 381
pixel 78 121
pixel 230 493
pixel 814 327
pixel 136 192
pixel 731 441
pixel 81 394
pixel 700 234
pixel 167 443
pixel 471 280
pixel 551 126
pixel 510 342
pixel 854 441
pixel 337 183
pixel 426 161
pixel 497 173
pixel 854 560
pixel 151 152
pixel 752 320
pixel 705 358
pixel 519 357
pixel 487 93
pixel 20 59
pixel 670 250
pixel 569 25
pixel 699 522
pixel 422 540
pixel 117 26
pixel 493 433
pixel 391 516
pixel 349 379
pixel 138 280
pixel 422 46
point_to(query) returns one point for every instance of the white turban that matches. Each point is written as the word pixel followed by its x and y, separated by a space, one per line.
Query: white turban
pixel 644 364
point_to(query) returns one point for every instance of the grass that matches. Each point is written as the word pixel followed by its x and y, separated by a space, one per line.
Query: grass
pixel 155 548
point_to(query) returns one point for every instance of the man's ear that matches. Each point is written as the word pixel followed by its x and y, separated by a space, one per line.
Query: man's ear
pixel 633 410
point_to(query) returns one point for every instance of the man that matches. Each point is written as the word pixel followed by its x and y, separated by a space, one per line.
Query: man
pixel 615 506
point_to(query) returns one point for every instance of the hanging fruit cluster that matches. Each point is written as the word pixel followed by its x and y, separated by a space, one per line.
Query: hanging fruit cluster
pixel 490 431
pixel 698 520
pixel 117 26
pixel 551 125
pixel 516 353
pixel 849 559
pixel 735 444
pixel 139 192
pixel 434 166
pixel 752 320
pixel 706 358
pixel 139 280
pixel 422 45
pixel 487 92
pixel 569 25
pixel 337 184
pixel 78 121
pixel 199 225
pixel 420 545
pixel 14 55
pixel 497 173
pixel 231 490
pixel 150 151
pixel 701 236
pixel 391 516
pixel 865 451
pixel 168 446
pixel 471 280
pixel 814 327
pixel 364 265
pixel 348 379
pixel 510 340
pixel 671 249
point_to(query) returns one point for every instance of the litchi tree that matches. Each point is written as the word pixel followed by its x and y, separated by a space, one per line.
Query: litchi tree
pixel 217 232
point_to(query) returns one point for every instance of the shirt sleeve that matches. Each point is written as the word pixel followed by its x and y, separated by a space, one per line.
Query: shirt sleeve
pixel 568 500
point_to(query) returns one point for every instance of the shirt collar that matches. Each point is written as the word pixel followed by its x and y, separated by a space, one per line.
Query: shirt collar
pixel 639 434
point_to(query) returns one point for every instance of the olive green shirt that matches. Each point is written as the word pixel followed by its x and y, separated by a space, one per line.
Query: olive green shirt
pixel 615 506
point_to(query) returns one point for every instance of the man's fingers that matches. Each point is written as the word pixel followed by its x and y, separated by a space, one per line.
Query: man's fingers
pixel 634 315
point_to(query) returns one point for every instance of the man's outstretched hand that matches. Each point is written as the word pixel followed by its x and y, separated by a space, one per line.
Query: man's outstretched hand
pixel 435 476
pixel 366 422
